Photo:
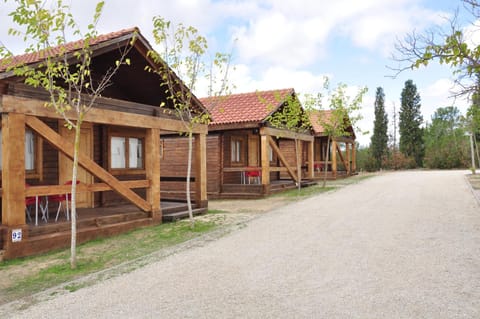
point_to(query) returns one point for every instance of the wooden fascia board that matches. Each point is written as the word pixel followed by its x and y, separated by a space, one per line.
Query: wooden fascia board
pixel 282 158
pixel 286 134
pixel 67 148
pixel 13 104
pixel 233 126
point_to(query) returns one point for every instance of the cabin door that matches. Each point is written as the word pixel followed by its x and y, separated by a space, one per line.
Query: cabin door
pixel 84 199
pixel 253 146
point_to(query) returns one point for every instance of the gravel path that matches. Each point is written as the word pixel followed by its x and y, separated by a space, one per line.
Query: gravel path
pixel 401 245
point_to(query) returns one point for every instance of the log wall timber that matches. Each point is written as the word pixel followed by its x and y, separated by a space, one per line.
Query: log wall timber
pixel 13 104
pixel 67 148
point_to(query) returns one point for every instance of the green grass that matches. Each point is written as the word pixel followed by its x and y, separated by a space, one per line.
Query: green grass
pixel 53 268
pixel 305 192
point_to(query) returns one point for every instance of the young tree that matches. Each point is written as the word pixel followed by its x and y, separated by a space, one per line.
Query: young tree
pixel 182 61
pixel 411 141
pixel 344 113
pixel 72 85
pixel 379 141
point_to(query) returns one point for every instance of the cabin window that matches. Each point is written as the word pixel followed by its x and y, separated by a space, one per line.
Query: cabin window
pixel 270 153
pixel 30 151
pixel 236 150
pixel 126 153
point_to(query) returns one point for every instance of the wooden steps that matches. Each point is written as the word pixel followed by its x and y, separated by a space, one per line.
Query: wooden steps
pixel 173 216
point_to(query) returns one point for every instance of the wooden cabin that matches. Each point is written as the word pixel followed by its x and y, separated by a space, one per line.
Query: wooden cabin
pixel 247 156
pixel 341 153
pixel 120 154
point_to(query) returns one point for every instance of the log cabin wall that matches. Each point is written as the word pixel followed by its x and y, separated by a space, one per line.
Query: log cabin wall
pixel 173 167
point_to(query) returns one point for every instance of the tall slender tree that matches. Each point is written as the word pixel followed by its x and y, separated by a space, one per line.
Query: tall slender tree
pixel 411 134
pixel 379 141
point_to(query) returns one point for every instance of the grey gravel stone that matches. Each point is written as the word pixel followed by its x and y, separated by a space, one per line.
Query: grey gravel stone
pixel 401 245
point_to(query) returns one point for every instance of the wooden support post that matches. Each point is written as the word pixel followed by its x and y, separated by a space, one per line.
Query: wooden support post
pixel 334 158
pixel 201 170
pixel 348 159
pixel 354 159
pixel 13 169
pixel 152 168
pixel 311 159
pixel 299 160
pixel 265 163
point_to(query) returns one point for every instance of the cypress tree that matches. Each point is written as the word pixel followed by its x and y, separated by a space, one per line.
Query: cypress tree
pixel 379 141
pixel 411 134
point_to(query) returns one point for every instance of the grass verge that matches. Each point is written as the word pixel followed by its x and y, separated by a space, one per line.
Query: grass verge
pixel 26 276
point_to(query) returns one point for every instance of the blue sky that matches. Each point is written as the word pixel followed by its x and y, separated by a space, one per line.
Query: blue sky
pixel 295 43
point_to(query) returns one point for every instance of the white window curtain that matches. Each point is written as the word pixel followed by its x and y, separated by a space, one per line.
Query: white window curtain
pixel 235 156
pixel 135 156
pixel 117 152
pixel 270 153
pixel 29 150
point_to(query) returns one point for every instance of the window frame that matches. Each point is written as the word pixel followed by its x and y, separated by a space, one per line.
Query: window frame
pixel 240 144
pixel 119 133
pixel 37 171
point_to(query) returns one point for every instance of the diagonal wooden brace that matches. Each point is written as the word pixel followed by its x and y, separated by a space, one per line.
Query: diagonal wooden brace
pixel 67 148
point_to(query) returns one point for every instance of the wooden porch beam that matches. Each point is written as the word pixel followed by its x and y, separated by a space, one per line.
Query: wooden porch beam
pixel 286 134
pixel 282 159
pixel 265 161
pixel 13 169
pixel 21 105
pixel 67 148
pixel 334 159
pixel 46 190
pixel 201 170
pixel 152 169
pixel 311 159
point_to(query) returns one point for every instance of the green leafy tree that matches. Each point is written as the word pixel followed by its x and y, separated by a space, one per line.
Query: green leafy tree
pixel 410 119
pixel 449 46
pixel 344 112
pixel 183 62
pixel 445 143
pixel 379 141
pixel 293 117
pixel 71 86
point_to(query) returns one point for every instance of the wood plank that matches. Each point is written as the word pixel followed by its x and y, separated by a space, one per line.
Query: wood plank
pixel 13 104
pixel 67 148
pixel 13 169
pixel 201 170
pixel 286 134
pixel 282 158
pixel 45 190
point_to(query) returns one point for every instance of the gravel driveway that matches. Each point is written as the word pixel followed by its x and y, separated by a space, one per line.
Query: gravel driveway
pixel 400 245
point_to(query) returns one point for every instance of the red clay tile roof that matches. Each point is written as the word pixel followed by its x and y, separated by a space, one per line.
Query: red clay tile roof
pixel 318 116
pixel 245 107
pixel 35 57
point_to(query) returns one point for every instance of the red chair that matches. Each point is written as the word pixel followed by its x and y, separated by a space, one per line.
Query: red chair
pixel 60 198
pixel 253 174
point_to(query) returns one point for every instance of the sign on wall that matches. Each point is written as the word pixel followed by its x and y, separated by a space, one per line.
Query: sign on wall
pixel 16 235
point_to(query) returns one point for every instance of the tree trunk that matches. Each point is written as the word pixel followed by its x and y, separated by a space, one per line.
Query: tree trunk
pixel 325 168
pixel 299 164
pixel 189 173
pixel 73 201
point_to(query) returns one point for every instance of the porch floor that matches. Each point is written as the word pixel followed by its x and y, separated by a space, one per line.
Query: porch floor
pixel 247 191
pixel 107 215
